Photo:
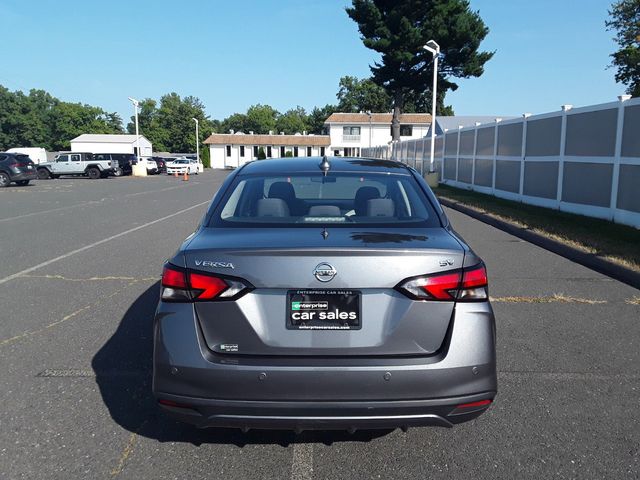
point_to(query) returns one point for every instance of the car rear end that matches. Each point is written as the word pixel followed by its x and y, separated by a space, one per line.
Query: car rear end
pixel 327 309
pixel 20 168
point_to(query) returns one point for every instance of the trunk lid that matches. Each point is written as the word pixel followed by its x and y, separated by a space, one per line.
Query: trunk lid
pixel 369 261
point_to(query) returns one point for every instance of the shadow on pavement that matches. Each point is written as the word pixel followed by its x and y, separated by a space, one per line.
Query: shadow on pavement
pixel 123 372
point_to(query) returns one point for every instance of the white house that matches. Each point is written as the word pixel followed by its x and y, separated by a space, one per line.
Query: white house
pixel 104 143
pixel 234 149
pixel 350 132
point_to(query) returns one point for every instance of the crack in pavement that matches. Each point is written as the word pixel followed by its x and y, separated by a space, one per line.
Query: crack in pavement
pixel 93 279
pixel 64 319
pixel 555 298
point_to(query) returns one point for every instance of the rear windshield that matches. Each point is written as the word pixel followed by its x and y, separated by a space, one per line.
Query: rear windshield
pixel 338 199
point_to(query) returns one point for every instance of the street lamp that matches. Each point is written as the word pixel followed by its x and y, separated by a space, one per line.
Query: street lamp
pixel 138 169
pixel 434 48
pixel 197 140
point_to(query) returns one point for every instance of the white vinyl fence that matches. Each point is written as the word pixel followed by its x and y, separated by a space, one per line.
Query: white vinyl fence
pixel 580 160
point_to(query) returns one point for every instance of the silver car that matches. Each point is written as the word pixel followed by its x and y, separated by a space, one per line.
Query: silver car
pixel 324 294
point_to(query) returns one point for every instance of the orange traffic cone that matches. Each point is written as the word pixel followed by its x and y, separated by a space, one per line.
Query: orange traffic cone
pixel 186 176
pixel 175 173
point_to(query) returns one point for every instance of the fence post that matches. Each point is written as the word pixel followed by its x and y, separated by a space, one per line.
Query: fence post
pixel 523 155
pixel 458 153
pixel 615 179
pixel 563 143
pixel 473 156
pixel 495 155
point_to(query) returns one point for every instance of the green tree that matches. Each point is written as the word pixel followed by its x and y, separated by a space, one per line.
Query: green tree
pixel 237 122
pixel 317 117
pixel 205 156
pixel 169 126
pixel 292 121
pixel 261 119
pixel 625 21
pixel 399 29
pixel 261 154
pixel 355 95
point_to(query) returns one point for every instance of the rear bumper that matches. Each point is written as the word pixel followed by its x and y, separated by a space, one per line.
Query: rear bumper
pixel 29 175
pixel 301 393
pixel 301 416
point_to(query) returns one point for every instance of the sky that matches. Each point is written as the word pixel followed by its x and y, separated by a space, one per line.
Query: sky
pixel 233 54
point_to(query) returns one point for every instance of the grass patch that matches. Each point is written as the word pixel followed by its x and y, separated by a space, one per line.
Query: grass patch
pixel 617 243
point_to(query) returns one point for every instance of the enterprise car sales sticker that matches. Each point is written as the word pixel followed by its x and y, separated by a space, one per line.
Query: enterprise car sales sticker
pixel 323 309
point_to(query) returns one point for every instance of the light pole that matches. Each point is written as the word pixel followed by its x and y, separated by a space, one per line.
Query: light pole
pixel 434 48
pixel 370 116
pixel 197 140
pixel 138 171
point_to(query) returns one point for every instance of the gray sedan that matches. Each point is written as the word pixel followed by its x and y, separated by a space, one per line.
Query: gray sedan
pixel 324 294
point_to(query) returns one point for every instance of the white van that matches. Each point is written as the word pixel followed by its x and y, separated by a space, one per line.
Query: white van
pixel 37 154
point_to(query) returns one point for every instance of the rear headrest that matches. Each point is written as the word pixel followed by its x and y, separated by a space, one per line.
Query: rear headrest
pixel 381 207
pixel 324 211
pixel 283 190
pixel 272 207
pixel 363 195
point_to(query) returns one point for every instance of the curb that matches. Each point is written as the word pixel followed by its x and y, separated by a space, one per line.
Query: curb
pixel 589 260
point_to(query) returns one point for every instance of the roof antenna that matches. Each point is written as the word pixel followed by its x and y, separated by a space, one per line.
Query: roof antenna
pixel 325 165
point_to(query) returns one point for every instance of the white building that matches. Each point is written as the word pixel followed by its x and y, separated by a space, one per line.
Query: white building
pixel 104 143
pixel 350 132
pixel 234 149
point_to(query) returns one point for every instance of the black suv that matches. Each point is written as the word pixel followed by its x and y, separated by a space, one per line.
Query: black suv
pixel 16 167
pixel 121 162
pixel 162 164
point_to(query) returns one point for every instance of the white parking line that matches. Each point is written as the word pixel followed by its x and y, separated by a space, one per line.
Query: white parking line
pixel 95 244
pixel 302 465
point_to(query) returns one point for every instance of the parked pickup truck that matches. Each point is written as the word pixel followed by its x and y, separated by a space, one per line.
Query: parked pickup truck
pixel 75 164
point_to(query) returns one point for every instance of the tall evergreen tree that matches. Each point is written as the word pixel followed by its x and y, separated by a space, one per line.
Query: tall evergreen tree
pixel 398 29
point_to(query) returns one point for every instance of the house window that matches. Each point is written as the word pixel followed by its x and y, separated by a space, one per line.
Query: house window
pixel 322 151
pixel 295 151
pixel 242 150
pixel 255 151
pixel 269 151
pixel 308 151
pixel 282 153
pixel 405 130
pixel 228 150
pixel 351 130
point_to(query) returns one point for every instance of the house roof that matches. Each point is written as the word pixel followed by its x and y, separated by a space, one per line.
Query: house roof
pixel 286 140
pixel 107 138
pixel 406 118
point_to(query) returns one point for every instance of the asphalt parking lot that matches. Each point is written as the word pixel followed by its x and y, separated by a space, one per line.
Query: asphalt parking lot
pixel 79 276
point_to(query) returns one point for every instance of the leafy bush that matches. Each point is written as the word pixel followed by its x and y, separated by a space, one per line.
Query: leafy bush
pixel 206 157
pixel 288 154
pixel 261 154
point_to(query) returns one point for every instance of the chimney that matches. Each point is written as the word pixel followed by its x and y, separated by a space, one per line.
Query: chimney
pixel 232 131
pixel 270 132
pixel 250 132
pixel 281 133
pixel 304 132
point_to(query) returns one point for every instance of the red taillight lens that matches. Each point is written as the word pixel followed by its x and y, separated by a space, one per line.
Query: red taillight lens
pixel 459 285
pixel 210 286
pixel 174 278
pixel 181 285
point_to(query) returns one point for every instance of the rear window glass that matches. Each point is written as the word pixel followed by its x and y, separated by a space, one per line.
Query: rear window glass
pixel 338 199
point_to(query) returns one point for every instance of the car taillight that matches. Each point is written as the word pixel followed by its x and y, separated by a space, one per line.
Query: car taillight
pixel 182 285
pixel 465 285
